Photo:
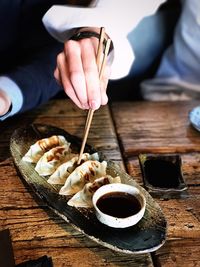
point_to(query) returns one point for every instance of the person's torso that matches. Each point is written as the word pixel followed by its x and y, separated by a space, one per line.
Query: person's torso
pixel 21 26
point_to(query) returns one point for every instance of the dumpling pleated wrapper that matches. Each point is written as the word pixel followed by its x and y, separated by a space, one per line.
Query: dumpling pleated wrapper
pixel 83 198
pixel 53 158
pixel 64 170
pixel 87 172
pixel 37 150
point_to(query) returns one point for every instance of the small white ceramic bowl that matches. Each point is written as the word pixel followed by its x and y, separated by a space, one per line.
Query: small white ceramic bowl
pixel 120 214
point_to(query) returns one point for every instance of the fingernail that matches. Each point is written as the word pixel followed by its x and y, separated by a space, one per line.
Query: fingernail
pixel 94 105
pixel 85 106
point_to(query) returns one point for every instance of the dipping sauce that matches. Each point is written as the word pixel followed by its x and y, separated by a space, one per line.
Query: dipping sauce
pixel 119 204
pixel 162 173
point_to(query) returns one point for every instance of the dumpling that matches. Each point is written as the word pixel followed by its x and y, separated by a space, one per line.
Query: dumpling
pixel 87 172
pixel 64 170
pixel 36 151
pixel 53 158
pixel 83 198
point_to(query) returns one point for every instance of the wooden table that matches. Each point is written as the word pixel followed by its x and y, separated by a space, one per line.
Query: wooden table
pixel 121 132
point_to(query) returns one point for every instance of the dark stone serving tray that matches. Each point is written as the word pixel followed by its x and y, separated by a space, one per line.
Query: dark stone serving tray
pixel 147 235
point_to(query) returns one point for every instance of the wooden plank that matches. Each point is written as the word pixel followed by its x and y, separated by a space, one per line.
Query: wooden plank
pixel 64 114
pixel 36 230
pixel 151 127
pixel 155 127
pixel 87 257
pixel 182 215
pixel 179 253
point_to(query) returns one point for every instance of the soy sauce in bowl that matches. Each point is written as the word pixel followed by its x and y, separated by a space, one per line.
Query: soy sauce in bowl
pixel 119 204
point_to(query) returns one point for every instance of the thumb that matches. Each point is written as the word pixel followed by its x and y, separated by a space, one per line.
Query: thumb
pixel 103 85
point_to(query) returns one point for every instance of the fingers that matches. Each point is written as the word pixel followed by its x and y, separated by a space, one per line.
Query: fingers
pixel 88 54
pixel 103 85
pixel 77 72
pixel 62 75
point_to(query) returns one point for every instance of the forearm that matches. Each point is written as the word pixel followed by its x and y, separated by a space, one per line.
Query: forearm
pixel 60 20
pixel 33 83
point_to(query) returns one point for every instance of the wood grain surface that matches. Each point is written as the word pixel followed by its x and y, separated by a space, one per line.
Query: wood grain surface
pixel 35 229
pixel 165 128
pixel 152 127
pixel 120 133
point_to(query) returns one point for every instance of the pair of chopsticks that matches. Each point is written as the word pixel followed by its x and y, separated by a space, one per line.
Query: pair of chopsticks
pixel 101 65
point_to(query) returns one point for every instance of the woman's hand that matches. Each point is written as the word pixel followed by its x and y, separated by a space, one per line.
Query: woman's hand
pixel 77 72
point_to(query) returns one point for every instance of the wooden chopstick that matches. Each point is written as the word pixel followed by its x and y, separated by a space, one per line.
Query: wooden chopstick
pixel 100 47
pixel 101 69
pixel 107 48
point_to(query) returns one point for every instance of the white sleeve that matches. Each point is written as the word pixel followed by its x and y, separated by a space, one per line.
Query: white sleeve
pixel 15 94
pixel 118 18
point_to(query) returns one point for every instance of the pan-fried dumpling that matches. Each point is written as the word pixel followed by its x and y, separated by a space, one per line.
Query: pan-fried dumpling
pixel 36 151
pixel 83 198
pixel 64 170
pixel 87 172
pixel 53 158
